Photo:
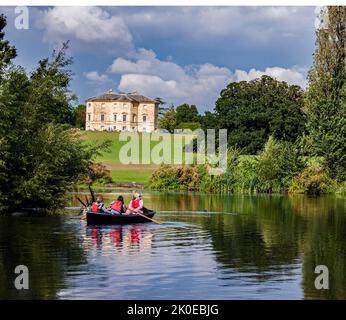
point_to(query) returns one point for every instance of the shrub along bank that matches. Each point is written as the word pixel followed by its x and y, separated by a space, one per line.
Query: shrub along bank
pixel 279 168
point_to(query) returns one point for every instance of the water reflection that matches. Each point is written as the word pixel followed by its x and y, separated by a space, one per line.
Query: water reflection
pixel 268 249
pixel 47 246
pixel 135 237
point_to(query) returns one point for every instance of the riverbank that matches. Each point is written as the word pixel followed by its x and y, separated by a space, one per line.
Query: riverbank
pixel 277 169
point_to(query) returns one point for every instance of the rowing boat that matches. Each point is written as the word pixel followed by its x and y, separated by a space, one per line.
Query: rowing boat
pixel 107 218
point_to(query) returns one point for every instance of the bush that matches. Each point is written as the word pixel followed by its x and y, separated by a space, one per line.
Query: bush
pixel 278 168
pixel 185 178
pixel 313 180
pixel 245 174
pixel 277 164
pixel 341 188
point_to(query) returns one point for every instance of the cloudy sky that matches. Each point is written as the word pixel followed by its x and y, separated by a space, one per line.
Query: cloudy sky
pixel 181 54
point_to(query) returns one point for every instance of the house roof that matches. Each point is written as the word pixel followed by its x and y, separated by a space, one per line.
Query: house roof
pixel 121 97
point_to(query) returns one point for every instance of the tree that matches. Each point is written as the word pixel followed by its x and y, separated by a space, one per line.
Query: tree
pixel 169 120
pixel 251 111
pixel 326 95
pixel 209 121
pixel 79 114
pixel 39 158
pixel 7 52
pixel 51 94
pixel 187 113
pixel 162 108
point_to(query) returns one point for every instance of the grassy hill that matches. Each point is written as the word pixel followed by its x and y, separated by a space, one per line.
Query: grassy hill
pixel 139 173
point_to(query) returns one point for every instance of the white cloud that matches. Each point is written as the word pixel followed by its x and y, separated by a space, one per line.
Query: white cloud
pixel 147 63
pixel 291 76
pixel 94 76
pixel 198 85
pixel 89 25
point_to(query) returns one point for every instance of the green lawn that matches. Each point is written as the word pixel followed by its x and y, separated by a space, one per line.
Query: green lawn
pixel 139 173
pixel 137 176
pixel 113 155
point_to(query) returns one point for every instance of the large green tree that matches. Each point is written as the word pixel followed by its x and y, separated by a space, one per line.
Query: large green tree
pixel 187 113
pixel 251 111
pixel 7 52
pixel 51 93
pixel 39 158
pixel 326 94
pixel 168 121
pixel 209 121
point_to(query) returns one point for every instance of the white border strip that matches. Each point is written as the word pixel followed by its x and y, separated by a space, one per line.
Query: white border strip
pixel 171 2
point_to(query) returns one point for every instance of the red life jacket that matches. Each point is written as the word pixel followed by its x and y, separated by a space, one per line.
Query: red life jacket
pixel 94 207
pixel 135 203
pixel 117 205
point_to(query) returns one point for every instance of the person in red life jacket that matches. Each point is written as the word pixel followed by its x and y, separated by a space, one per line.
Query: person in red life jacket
pixel 136 204
pixel 118 206
pixel 98 205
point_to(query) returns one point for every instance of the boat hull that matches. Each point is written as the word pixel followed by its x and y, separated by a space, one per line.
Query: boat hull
pixel 103 218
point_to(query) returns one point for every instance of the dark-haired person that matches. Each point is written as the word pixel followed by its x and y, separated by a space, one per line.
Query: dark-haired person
pixel 118 206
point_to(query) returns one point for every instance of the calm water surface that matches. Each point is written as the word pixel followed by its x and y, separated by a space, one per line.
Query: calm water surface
pixel 262 247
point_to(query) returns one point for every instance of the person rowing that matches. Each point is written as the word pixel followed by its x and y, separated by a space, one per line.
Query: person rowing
pixel 136 204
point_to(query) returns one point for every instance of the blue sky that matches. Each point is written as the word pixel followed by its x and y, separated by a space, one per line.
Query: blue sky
pixel 181 54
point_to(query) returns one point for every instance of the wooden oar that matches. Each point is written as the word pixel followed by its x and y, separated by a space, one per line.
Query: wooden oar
pixel 144 216
pixel 196 212
pixel 84 205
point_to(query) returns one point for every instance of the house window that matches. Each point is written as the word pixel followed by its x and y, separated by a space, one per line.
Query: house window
pixel 144 118
pixel 114 128
pixel 134 118
pixel 124 117
pixel 89 104
pixel 102 117
pixel 115 117
pixel 89 117
pixel 124 128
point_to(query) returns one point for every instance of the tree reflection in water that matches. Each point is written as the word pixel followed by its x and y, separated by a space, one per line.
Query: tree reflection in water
pixel 271 242
pixel 48 246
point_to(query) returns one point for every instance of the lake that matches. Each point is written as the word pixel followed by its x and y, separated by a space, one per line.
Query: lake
pixel 261 247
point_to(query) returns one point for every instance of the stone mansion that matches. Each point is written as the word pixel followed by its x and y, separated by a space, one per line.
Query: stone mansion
pixel 121 112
